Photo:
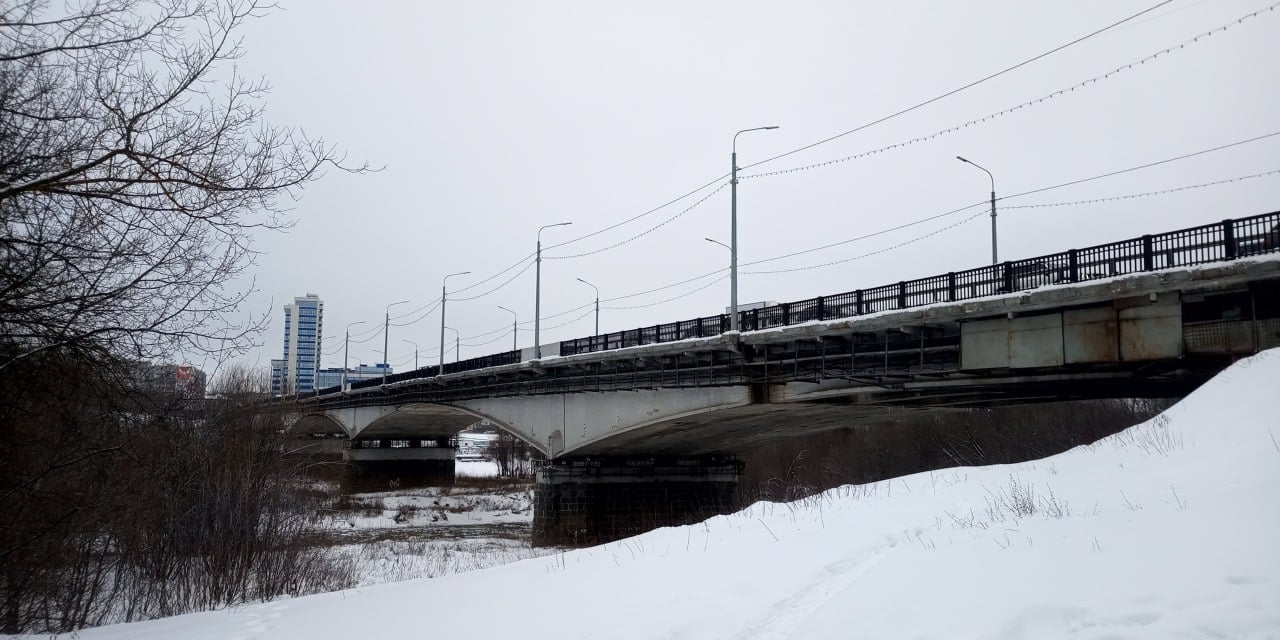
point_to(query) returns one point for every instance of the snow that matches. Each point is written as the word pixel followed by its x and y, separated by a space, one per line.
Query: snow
pixel 1167 530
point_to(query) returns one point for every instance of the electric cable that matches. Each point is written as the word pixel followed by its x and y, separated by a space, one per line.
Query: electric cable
pixel 963 87
pixel 1142 195
pixel 1010 110
pixel 645 232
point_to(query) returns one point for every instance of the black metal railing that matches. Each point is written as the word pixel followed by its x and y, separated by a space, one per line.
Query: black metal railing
pixel 1215 242
pixel 1226 240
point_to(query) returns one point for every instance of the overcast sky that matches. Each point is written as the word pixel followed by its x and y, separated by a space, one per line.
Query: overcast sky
pixel 494 118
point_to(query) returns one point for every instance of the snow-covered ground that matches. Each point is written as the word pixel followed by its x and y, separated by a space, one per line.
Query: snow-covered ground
pixel 428 532
pixel 1170 529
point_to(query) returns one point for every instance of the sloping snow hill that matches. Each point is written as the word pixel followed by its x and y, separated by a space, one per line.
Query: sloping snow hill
pixel 1170 529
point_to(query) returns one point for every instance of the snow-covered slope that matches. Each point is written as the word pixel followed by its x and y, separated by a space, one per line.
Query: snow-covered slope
pixel 1169 529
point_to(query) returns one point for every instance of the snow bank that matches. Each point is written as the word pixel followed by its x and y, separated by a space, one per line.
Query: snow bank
pixel 1169 529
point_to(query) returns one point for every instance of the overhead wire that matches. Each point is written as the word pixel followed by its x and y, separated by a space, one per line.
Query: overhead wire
pixel 1144 194
pixel 496 275
pixel 645 232
pixel 887 249
pixel 500 286
pixel 637 217
pixel 1011 196
pixel 1022 105
pixel 910 241
pixel 964 87
pixel 1143 166
pixel 672 298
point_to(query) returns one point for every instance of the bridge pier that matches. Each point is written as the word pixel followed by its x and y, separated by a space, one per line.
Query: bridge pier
pixel 383 463
pixel 582 502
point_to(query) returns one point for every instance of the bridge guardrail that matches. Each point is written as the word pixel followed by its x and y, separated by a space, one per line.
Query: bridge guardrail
pixel 1226 240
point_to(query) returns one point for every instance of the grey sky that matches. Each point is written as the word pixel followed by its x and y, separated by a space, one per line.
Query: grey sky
pixel 494 118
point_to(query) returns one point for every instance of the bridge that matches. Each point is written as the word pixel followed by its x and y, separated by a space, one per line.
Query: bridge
pixel 647 421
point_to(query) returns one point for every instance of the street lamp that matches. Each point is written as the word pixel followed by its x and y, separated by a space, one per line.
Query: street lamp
pixel 537 293
pixel 994 256
pixel 733 224
pixel 346 343
pixel 386 334
pixel 457 346
pixel 443 295
pixel 514 326
pixel 597 303
pixel 415 352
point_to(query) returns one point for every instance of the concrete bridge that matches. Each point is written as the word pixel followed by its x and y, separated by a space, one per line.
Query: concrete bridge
pixel 653 428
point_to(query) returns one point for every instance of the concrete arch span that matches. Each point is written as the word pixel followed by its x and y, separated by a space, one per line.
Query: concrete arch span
pixel 318 423
pixel 412 420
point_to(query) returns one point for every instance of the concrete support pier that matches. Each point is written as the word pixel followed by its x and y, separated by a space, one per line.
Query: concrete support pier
pixel 582 502
pixel 388 463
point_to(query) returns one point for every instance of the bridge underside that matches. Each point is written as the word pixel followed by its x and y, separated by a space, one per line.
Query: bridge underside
pixel 833 406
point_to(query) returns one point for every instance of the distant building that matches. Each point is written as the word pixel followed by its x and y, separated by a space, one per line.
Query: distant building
pixel 179 380
pixel 303 332
pixel 332 377
pixel 277 377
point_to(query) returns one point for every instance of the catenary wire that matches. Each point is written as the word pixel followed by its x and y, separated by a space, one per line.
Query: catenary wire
pixel 970 85
pixel 645 232
pixel 1010 110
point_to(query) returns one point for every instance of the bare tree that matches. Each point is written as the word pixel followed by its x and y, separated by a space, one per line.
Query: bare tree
pixel 135 167
pixel 135 163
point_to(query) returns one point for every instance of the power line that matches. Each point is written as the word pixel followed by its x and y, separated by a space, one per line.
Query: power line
pixel 866 236
pixel 963 87
pixel 982 213
pixel 430 308
pixel 1017 195
pixel 1144 166
pixel 1142 195
pixel 565 324
pixel 1023 105
pixel 476 284
pixel 666 300
pixel 872 253
pixel 637 217
pixel 504 283
pixel 645 232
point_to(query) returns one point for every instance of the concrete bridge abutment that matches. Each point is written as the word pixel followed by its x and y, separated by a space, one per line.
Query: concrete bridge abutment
pixel 588 501
pixel 380 464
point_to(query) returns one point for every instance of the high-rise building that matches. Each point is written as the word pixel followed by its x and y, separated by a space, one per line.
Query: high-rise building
pixel 303 329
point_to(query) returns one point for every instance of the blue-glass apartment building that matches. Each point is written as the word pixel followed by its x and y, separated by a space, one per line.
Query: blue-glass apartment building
pixel 303 332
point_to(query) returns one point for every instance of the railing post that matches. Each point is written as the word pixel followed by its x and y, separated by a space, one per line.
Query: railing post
pixel 951 287
pixel 1229 237
pixel 902 294
pixel 1073 266
pixel 857 302
pixel 822 308
pixel 786 313
pixel 1008 277
pixel 1148 254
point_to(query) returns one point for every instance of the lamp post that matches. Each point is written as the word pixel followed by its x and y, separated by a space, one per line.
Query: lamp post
pixel 733 229
pixel 995 259
pixel 443 296
pixel 457 345
pixel 597 303
pixel 346 343
pixel 386 334
pixel 415 351
pixel 515 326
pixel 537 293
